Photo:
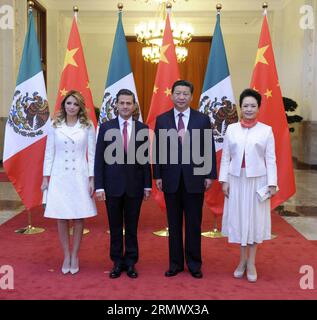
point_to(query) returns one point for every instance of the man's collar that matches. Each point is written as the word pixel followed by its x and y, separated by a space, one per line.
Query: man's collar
pixel 121 120
pixel 186 112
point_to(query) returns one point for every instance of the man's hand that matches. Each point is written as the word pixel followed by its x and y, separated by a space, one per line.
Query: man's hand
pixel 100 195
pixel 159 184
pixel 147 194
pixel 208 183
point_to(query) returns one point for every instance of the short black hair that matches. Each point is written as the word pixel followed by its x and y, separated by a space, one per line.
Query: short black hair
pixel 250 93
pixel 125 92
pixel 184 83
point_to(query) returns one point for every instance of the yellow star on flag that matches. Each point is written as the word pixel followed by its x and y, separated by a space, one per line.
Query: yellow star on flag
pixel 162 52
pixel 88 86
pixel 69 58
pixel 255 89
pixel 268 93
pixel 63 92
pixel 260 55
pixel 168 92
pixel 155 89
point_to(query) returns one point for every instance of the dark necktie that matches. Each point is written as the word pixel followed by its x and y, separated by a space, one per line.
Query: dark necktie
pixel 125 136
pixel 181 127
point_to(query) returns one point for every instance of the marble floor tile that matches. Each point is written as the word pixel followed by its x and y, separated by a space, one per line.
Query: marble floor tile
pixel 307 226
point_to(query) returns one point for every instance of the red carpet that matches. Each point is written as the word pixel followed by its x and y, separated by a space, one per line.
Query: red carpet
pixel 37 260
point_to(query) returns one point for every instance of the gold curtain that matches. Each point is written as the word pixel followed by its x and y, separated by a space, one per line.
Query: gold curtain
pixel 193 70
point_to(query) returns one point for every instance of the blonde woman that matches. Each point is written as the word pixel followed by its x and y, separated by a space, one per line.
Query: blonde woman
pixel 248 165
pixel 68 174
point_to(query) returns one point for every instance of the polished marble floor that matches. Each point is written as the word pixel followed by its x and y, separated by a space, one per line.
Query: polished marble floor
pixel 300 210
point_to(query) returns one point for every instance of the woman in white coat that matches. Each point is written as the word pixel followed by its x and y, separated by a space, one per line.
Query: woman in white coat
pixel 248 165
pixel 68 174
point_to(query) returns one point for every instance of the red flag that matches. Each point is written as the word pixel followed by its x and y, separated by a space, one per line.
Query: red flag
pixel 272 113
pixel 74 75
pixel 167 73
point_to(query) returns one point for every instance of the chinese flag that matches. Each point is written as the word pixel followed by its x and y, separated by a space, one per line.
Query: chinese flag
pixel 74 75
pixel 265 81
pixel 167 73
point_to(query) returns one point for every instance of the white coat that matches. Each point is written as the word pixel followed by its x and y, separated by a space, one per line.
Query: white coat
pixel 257 144
pixel 69 169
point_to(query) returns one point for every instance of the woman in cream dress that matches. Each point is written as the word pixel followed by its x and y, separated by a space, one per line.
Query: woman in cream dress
pixel 247 165
pixel 68 174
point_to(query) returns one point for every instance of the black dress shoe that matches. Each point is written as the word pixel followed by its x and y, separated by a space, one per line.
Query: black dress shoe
pixel 172 273
pixel 131 272
pixel 197 274
pixel 115 272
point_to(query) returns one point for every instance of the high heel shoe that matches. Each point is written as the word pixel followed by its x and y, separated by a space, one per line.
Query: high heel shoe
pixel 65 267
pixel 75 269
pixel 252 277
pixel 238 273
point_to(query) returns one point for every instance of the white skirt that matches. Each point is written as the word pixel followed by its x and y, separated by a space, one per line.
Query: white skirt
pixel 68 198
pixel 245 219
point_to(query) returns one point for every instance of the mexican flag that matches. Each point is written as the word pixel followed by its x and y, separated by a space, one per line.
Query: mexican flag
pixel 120 76
pixel 27 125
pixel 217 101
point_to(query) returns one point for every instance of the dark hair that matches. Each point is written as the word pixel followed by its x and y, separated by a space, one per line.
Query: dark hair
pixel 184 83
pixel 125 92
pixel 250 93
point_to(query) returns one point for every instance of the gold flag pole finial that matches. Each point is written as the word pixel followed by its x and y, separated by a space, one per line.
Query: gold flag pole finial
pixel 218 7
pixel 265 6
pixel 120 6
pixel 169 7
pixel 75 9
pixel 31 5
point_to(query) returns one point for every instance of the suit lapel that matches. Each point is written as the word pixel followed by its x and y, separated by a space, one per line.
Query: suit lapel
pixel 171 120
pixel 116 125
pixel 190 120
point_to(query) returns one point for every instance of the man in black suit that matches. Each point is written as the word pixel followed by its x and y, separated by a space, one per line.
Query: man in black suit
pixel 123 180
pixel 184 180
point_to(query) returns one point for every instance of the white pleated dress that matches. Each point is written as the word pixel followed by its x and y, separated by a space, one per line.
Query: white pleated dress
pixel 66 163
pixel 247 220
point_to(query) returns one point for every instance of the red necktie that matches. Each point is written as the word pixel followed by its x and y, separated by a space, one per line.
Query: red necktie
pixel 181 127
pixel 125 136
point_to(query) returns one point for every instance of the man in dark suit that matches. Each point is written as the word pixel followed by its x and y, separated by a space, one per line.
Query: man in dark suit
pixel 123 180
pixel 184 180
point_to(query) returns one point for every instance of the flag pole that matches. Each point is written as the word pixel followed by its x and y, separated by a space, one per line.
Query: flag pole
pixel 164 232
pixel 29 229
pixel 214 233
pixel 120 8
pixel 264 7
pixel 71 229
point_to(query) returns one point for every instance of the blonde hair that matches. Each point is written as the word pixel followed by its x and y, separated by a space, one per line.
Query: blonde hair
pixel 82 115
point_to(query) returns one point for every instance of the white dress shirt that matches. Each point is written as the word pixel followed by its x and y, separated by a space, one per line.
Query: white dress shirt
pixel 129 127
pixel 185 117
